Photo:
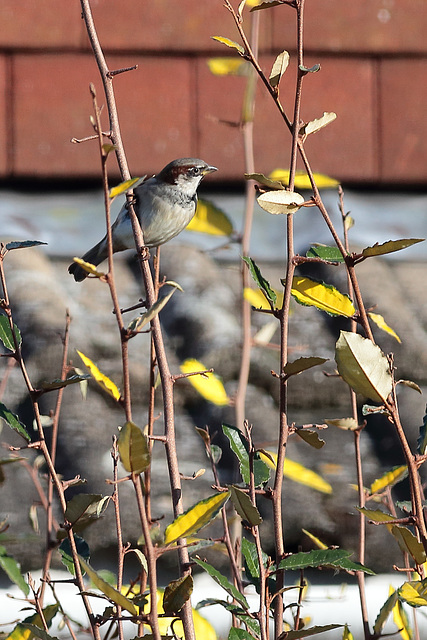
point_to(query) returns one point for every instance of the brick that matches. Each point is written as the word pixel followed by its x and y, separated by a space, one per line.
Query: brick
pixel 164 25
pixel 403 122
pixel 154 105
pixel 392 26
pixel 40 24
pixel 345 149
pixel 4 125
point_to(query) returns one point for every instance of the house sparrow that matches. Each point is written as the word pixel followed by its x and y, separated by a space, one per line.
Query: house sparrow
pixel 164 205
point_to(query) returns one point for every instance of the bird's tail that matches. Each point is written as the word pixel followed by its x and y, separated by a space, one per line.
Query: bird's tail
pixel 95 256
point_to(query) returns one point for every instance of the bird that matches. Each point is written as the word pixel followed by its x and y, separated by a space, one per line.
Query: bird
pixel 164 205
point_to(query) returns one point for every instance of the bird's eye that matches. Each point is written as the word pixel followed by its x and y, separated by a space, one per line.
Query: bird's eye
pixel 194 171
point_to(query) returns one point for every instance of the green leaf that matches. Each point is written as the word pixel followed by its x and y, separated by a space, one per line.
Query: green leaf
pixel 314 69
pixel 384 612
pixel 12 569
pixel 325 297
pixel 37 632
pixel 176 594
pixel 369 409
pixel 6 334
pixel 330 254
pixel 13 421
pixel 390 246
pixel 60 384
pixel 310 631
pixel 244 507
pixel 85 507
pixel 67 556
pixel 422 438
pixel 281 202
pixel 196 517
pixel 266 182
pixel 364 367
pixel 260 281
pixel 239 634
pixel 111 593
pixel 134 449
pixel 279 67
pixel 315 125
pixel 310 437
pixel 229 43
pixel 142 559
pixel 411 385
pixel 409 543
pixel 23 245
pixel 223 582
pixel 138 323
pixel 250 554
pixel 24 630
pixel 302 364
pixel 336 558
pixel 240 447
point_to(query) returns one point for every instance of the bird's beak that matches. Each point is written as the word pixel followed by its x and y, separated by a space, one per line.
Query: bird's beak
pixel 209 169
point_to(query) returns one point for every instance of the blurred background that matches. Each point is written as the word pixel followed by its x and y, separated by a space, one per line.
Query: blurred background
pixel 373 57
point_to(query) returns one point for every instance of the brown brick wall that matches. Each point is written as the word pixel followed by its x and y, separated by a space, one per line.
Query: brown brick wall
pixel 373 55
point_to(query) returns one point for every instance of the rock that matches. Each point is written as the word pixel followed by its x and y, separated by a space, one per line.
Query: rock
pixel 204 322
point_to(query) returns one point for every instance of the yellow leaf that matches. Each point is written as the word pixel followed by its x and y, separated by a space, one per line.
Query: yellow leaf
pixel 227 66
pixel 414 593
pixel 89 267
pixel 209 219
pixel 322 296
pixel 302 180
pixel 203 629
pixel 346 634
pixel 313 538
pixel 104 382
pixel 297 472
pixel 134 449
pixel 376 515
pixel 106 588
pixel 401 619
pixel 208 384
pixel 229 43
pixel 381 323
pixel 389 478
pixel 196 517
pixel 258 300
pixel 124 186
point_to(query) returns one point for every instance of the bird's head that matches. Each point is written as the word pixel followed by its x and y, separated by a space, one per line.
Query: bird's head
pixel 185 173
